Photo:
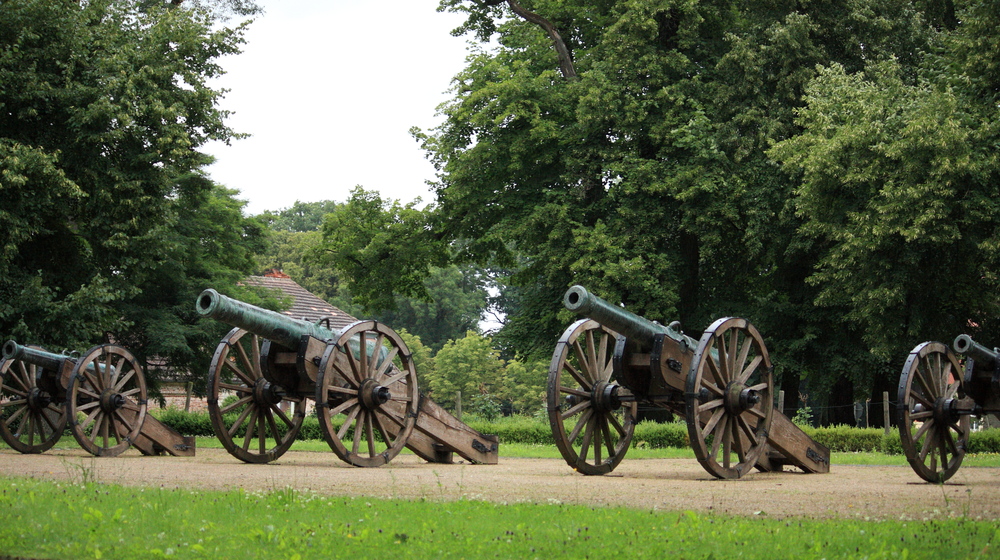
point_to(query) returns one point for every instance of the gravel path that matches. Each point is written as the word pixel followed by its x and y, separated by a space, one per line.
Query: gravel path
pixel 670 484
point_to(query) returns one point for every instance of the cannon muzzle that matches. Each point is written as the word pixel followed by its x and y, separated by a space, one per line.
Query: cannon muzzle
pixel 45 360
pixel 271 325
pixel 620 320
pixel 982 355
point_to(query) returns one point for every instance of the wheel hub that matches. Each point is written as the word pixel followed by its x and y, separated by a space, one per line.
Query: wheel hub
pixel 266 393
pixel 38 399
pixel 604 397
pixel 111 401
pixel 740 398
pixel 373 395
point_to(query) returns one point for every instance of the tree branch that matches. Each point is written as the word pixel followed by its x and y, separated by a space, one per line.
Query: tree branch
pixel 565 57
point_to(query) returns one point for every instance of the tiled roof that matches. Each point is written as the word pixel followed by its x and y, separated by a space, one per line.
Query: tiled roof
pixel 306 306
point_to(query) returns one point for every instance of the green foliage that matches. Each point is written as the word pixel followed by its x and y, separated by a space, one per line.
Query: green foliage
pixel 423 360
pixel 485 406
pixel 470 365
pixel 658 435
pixel 650 177
pixel 380 248
pixel 843 438
pixel 524 385
pixel 109 228
pixel 803 417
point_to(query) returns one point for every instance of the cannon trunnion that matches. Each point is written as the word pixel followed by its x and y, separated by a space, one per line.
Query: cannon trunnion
pixel 937 398
pixel 100 396
pixel 605 365
pixel 361 379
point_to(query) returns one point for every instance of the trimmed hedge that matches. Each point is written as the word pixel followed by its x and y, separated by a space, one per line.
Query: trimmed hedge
pixel 535 431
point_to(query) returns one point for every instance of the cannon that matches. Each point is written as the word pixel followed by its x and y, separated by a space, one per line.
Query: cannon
pixel 100 395
pixel 611 361
pixel 361 378
pixel 936 400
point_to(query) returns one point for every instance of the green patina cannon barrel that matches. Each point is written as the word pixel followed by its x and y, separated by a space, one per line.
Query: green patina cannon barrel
pixel 620 320
pixel 982 355
pixel 45 360
pixel 271 325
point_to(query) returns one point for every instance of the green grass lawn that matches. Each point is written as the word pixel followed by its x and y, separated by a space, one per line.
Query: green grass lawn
pixel 63 520
pixel 49 520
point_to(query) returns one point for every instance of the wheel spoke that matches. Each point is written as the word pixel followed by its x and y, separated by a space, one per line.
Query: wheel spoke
pixel 358 430
pixel 248 411
pixel 236 404
pixel 395 379
pixel 25 379
pixel 381 429
pixel 575 374
pixel 750 370
pixel 235 388
pixel 248 380
pixel 343 406
pixel 592 357
pixel 712 422
pixel 710 405
pixel 583 362
pixel 387 363
pixel 370 434
pixel 723 360
pixel 584 419
pixel 588 436
pixel 576 409
pixel 275 409
pixel 251 427
pixel 17 414
pixel 717 375
pixel 347 422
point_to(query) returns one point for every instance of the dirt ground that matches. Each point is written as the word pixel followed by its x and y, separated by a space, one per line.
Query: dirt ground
pixel 667 484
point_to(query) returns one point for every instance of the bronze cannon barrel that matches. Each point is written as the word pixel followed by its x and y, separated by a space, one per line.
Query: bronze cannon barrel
pixel 271 325
pixel 621 320
pixel 45 360
pixel 982 355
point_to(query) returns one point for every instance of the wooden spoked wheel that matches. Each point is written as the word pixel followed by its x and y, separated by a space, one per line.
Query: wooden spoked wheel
pixel 728 397
pixel 933 436
pixel 591 423
pixel 256 420
pixel 106 400
pixel 32 417
pixel 366 394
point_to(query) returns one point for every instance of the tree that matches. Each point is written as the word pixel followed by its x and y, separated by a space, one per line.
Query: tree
pixel 524 385
pixel 103 107
pixel 470 365
pixel 644 173
pixel 380 248
pixel 300 217
pixel 900 184
pixel 455 305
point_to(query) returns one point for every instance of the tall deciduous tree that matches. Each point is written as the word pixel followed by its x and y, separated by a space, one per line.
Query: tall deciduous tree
pixel 644 173
pixel 901 184
pixel 107 226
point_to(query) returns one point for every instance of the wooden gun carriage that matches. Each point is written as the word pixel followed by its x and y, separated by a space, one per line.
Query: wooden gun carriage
pixel 362 380
pixel 936 399
pixel 605 365
pixel 100 395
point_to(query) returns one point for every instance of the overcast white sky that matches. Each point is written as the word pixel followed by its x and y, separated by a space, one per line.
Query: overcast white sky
pixel 329 89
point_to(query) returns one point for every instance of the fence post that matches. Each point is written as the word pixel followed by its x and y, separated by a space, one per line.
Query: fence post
pixel 458 405
pixel 885 410
pixel 781 402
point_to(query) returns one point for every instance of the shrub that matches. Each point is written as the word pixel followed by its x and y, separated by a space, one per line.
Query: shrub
pixel 656 435
pixel 847 439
